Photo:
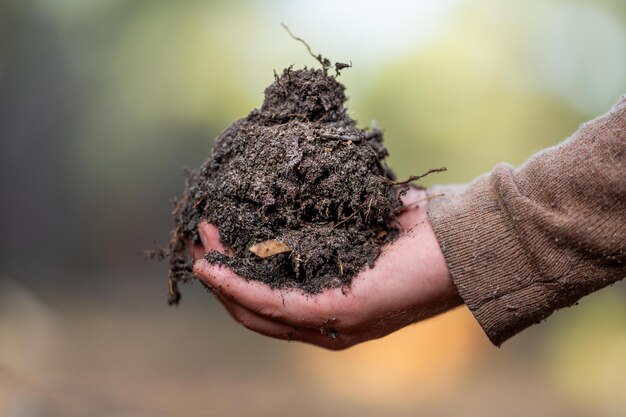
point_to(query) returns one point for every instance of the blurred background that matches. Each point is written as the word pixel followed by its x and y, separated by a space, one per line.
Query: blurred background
pixel 102 102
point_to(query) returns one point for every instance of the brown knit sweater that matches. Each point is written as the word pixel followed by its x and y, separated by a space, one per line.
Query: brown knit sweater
pixel 522 243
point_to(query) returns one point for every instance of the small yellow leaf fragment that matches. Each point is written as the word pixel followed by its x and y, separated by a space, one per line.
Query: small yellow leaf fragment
pixel 269 248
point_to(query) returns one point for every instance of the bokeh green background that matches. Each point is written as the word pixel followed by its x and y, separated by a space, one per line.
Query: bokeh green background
pixel 103 101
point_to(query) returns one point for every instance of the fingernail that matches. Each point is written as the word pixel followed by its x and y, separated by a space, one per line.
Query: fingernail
pixel 203 237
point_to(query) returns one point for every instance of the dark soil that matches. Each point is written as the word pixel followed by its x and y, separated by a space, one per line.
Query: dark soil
pixel 297 171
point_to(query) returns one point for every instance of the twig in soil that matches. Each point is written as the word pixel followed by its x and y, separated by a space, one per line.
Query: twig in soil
pixel 369 208
pixel 417 203
pixel 340 264
pixel 277 78
pixel 325 62
pixel 346 138
pixel 417 177
pixel 345 220
pixel 354 138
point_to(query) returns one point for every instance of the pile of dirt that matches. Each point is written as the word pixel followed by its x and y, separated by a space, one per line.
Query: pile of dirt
pixel 301 196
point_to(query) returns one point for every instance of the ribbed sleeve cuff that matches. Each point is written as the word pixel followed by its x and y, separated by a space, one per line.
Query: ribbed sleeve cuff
pixel 487 262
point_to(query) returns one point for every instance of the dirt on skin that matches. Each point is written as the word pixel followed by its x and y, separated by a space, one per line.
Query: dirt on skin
pixel 301 196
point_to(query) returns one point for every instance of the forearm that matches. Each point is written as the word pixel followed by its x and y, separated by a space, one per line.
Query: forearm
pixel 522 243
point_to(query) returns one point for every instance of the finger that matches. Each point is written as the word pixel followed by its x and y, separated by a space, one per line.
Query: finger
pixel 259 324
pixel 253 321
pixel 210 237
pixel 196 250
pixel 326 338
pixel 292 306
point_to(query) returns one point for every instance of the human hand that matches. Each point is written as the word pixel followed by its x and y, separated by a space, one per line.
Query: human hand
pixel 408 283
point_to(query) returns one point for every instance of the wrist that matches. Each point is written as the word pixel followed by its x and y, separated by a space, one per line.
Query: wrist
pixel 446 293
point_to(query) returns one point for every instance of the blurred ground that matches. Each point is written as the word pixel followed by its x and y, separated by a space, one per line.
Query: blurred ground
pixel 103 102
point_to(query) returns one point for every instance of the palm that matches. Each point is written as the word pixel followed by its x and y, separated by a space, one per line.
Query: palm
pixel 408 282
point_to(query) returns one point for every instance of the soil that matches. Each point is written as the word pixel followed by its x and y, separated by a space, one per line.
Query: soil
pixel 302 196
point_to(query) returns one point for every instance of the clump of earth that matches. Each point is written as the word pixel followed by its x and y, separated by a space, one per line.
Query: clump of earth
pixel 302 197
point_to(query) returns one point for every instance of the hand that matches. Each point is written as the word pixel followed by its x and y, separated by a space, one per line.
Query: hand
pixel 408 283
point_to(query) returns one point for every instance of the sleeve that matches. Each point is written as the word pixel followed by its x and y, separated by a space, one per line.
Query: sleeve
pixel 522 243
